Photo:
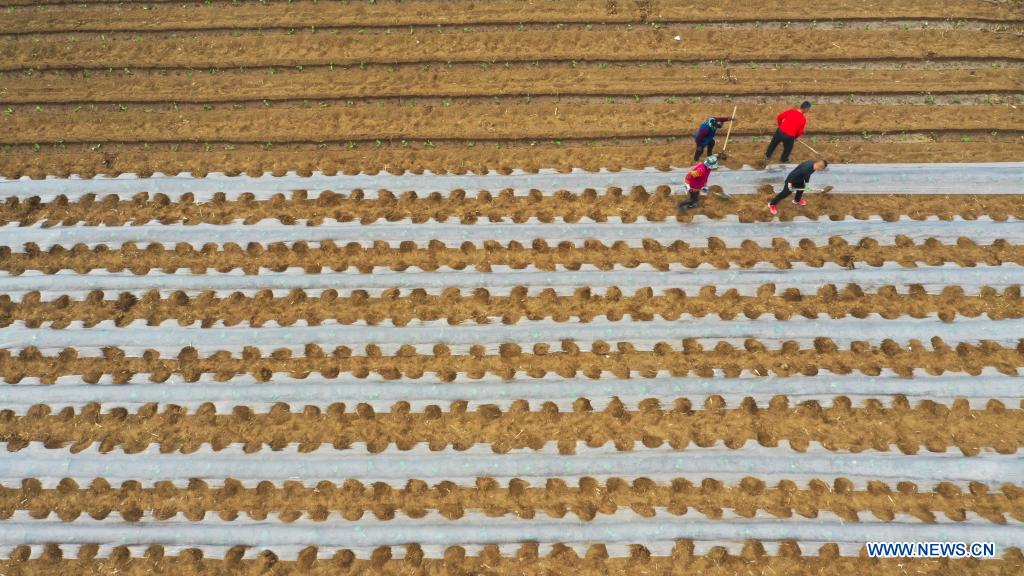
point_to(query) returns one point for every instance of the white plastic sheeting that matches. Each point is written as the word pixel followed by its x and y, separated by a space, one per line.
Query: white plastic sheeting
pixel 382 395
pixel 985 178
pixel 622 527
pixel 729 230
pixel 502 279
pixel 661 464
pixel 171 337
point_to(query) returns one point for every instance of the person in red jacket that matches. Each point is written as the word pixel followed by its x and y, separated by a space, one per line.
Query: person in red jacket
pixel 697 181
pixel 791 126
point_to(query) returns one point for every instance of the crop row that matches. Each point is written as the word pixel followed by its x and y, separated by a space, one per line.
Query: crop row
pixel 589 498
pixel 623 361
pixel 167 15
pixel 436 255
pixel 629 205
pixel 336 83
pixel 481 122
pixel 527 559
pixel 282 49
pixel 481 307
pixel 935 427
pixel 41 160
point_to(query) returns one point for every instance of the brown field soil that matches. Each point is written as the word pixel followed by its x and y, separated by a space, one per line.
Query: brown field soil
pixel 439 82
pixel 658 204
pixel 516 122
pixel 278 257
pixel 160 15
pixel 931 426
pixel 587 499
pixel 480 307
pixel 527 560
pixel 463 158
pixel 353 87
pixel 282 49
pixel 622 361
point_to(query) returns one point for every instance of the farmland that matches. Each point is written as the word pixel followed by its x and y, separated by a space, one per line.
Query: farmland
pixel 401 287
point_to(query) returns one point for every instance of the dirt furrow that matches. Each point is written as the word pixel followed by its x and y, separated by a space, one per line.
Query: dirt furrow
pixel 527 560
pixel 588 499
pixel 481 307
pixel 655 205
pixel 351 82
pixel 152 16
pixel 281 49
pixel 622 360
pixel 113 160
pixel 278 257
pixel 480 122
pixel 931 426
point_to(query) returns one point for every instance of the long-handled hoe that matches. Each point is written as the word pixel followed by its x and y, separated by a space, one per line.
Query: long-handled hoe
pixel 723 155
pixel 821 191
pixel 816 153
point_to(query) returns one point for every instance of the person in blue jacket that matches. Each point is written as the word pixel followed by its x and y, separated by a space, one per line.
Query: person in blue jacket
pixel 704 137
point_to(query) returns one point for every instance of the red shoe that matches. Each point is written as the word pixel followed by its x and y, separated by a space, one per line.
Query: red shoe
pixel 773 209
pixel 800 202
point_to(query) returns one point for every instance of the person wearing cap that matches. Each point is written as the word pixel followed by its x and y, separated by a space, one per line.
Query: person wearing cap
pixel 791 124
pixel 797 181
pixel 704 137
pixel 697 181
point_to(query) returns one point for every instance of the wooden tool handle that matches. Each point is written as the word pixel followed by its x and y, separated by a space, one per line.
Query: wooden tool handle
pixel 729 131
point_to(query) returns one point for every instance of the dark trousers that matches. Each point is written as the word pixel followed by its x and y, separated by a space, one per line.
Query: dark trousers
pixel 786 192
pixel 700 148
pixel 787 145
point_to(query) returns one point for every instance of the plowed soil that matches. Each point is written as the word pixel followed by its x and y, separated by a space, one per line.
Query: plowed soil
pixel 283 49
pixel 386 86
pixel 586 500
pixel 167 15
pixel 621 360
pixel 300 208
pixel 111 160
pixel 250 55
pixel 278 257
pixel 621 80
pixel 526 560
pixel 934 427
pixel 480 307
pixel 478 122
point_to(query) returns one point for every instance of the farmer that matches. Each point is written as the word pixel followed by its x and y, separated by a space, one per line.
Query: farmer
pixel 791 126
pixel 704 137
pixel 797 181
pixel 697 181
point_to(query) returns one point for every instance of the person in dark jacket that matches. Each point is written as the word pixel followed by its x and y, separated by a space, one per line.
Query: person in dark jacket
pixel 797 181
pixel 791 124
pixel 704 137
